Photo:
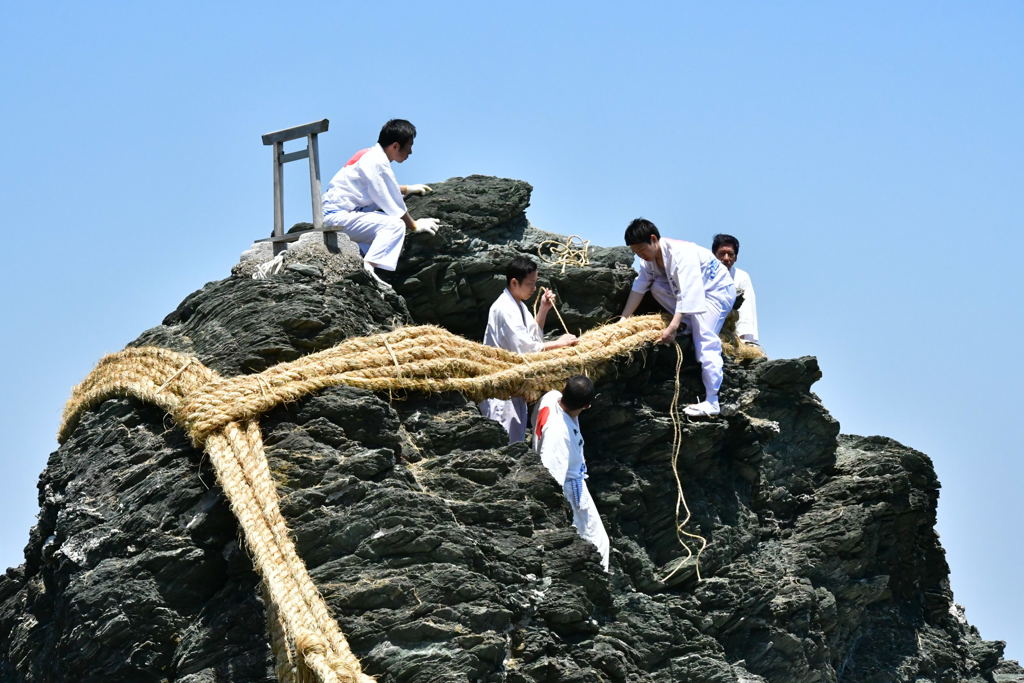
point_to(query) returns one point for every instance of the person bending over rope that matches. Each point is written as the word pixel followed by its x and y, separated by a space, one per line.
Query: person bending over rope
pixel 691 284
pixel 510 326
pixel 727 250
pixel 559 443
pixel 366 202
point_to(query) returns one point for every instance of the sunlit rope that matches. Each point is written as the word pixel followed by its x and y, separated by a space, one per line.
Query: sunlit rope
pixel 677 443
pixel 573 252
pixel 220 415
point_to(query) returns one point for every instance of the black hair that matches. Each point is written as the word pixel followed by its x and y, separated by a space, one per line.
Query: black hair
pixel 723 240
pixel 518 269
pixel 396 130
pixel 578 392
pixel 640 230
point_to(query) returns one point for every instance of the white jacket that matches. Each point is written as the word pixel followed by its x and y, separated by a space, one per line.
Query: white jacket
pixel 691 272
pixel 367 185
pixel 511 326
pixel 558 441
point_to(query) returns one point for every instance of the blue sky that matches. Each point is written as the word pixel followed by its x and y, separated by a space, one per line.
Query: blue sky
pixel 867 154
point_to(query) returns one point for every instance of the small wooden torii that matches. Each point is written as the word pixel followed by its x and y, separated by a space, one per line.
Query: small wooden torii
pixel 277 139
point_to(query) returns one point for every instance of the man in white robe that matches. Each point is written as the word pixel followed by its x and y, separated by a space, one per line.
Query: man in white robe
pixel 726 249
pixel 366 202
pixel 559 443
pixel 512 327
pixel 691 284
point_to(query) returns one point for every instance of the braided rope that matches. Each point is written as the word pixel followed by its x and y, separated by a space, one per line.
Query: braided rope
pixel 220 414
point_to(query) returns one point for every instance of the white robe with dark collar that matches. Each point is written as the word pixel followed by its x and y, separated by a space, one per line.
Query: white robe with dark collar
pixel 510 326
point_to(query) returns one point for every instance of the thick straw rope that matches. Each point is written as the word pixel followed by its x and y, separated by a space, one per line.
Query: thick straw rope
pixel 221 415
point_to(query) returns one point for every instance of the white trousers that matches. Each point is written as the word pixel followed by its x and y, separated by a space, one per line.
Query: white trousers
pixel 704 328
pixel 380 237
pixel 586 518
pixel 510 413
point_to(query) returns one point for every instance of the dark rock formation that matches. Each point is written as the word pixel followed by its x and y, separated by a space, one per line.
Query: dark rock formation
pixel 451 279
pixel 448 555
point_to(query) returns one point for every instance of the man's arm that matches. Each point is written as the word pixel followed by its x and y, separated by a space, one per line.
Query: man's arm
pixel 547 302
pixel 670 331
pixel 510 329
pixel 384 191
pixel 641 285
pixel 564 340
pixel 668 335
pixel 632 302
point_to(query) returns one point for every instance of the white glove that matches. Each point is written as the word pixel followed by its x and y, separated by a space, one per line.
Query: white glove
pixel 418 189
pixel 427 225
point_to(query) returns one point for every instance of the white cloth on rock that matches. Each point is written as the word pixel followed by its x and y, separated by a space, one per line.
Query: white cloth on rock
pixel 268 268
pixel 510 326
pixel 558 441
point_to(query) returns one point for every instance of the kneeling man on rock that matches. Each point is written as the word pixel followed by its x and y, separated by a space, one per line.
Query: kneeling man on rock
pixel 558 441
pixel 366 202
pixel 691 284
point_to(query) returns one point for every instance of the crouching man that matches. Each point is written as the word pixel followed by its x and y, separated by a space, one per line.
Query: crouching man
pixel 558 441
pixel 366 202
pixel 695 288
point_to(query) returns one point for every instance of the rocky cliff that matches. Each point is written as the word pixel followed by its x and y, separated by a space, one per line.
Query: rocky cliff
pixel 447 555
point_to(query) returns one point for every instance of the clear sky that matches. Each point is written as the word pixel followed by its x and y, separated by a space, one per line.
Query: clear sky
pixel 867 154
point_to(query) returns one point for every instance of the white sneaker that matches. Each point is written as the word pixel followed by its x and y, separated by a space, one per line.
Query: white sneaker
pixel 702 409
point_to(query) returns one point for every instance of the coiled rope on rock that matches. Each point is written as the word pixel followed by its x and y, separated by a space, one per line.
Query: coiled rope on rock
pixel 221 415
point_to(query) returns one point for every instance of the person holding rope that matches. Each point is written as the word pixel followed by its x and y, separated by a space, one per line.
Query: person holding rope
pixel 691 284
pixel 559 443
pixel 510 326
pixel 366 202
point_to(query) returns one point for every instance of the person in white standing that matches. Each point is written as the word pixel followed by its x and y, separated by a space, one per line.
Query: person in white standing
pixel 512 327
pixel 726 249
pixel 559 443
pixel 690 283
pixel 366 202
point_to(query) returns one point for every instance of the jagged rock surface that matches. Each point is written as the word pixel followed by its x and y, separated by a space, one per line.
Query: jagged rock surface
pixel 447 554
pixel 452 278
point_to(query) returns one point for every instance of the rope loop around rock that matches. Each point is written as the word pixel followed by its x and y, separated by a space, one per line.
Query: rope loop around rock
pixel 220 415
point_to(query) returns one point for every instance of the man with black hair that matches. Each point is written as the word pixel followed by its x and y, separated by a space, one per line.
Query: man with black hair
pixel 691 284
pixel 366 202
pixel 559 443
pixel 726 249
pixel 510 326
